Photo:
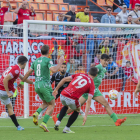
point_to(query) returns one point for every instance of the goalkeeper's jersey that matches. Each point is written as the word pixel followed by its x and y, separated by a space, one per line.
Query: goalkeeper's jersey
pixel 100 76
pixel 41 67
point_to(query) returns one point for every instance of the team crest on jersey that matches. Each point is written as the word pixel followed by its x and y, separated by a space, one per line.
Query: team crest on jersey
pixel 16 71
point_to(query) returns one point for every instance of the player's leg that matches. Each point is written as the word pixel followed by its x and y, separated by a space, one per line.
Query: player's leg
pixel 99 98
pixel 82 100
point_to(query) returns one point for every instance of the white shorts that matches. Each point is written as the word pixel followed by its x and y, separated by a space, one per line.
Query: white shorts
pixel 4 97
pixel 73 104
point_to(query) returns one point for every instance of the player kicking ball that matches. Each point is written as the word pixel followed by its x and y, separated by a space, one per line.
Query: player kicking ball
pixel 7 89
pixel 98 95
pixel 79 84
pixel 42 67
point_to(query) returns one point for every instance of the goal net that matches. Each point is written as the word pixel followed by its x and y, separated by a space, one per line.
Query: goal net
pixel 82 45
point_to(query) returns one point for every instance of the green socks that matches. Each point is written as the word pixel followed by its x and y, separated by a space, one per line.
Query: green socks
pixel 58 115
pixel 46 118
pixel 39 110
pixel 114 117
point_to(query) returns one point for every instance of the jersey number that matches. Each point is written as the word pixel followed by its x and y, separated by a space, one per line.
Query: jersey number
pixel 81 82
pixel 38 72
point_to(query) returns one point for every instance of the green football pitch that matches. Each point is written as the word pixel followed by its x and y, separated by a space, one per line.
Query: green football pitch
pixel 97 127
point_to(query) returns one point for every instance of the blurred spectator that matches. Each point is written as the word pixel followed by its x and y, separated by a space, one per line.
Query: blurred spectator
pixel 129 20
pixel 80 69
pixel 24 13
pixel 112 69
pixel 133 3
pixel 135 14
pixel 116 8
pixel 3 10
pixel 105 46
pixel 122 16
pixel 61 17
pixel 128 73
pixel 93 42
pixel 108 18
pixel 71 66
pixel 72 14
pixel 55 28
pixel 83 16
pixel 96 20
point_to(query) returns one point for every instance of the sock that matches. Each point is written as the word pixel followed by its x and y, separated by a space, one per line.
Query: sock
pixel 114 117
pixel 62 113
pixel 72 118
pixel 58 123
pixel 58 115
pixel 46 118
pixel 43 111
pixel 39 110
pixel 81 111
pixel 14 119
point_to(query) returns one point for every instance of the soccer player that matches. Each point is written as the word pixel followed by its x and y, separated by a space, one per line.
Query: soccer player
pixel 42 67
pixel 80 84
pixel 57 77
pixel 98 95
pixel 7 89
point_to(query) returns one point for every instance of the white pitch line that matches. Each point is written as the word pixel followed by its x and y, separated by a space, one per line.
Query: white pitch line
pixel 78 126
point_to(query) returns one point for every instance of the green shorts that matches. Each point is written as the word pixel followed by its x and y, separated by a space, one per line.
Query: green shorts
pixel 44 92
pixel 97 93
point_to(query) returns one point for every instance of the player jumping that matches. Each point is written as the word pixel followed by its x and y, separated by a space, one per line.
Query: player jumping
pixel 98 95
pixel 42 67
pixel 80 84
pixel 7 89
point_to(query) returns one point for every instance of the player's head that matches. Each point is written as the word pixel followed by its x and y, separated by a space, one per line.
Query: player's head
pixel 93 72
pixel 24 4
pixel 86 10
pixel 104 60
pixel 63 68
pixel 80 67
pixel 22 60
pixel 45 50
pixel 98 54
pixel 128 64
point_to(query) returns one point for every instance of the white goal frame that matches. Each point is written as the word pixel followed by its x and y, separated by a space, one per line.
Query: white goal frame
pixel 25 44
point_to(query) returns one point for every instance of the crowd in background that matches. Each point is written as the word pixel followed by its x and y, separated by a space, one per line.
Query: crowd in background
pixel 93 44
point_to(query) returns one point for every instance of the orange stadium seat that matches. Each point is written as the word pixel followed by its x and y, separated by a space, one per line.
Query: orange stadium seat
pixel 58 1
pixel 40 1
pixel 14 5
pixel 35 5
pixel 101 2
pixel 39 16
pixel 8 16
pixel 49 17
pixel 55 17
pixel 43 6
pixel 30 0
pixel 14 16
pixel 63 7
pixel 109 3
pixel 48 1
pixel 53 6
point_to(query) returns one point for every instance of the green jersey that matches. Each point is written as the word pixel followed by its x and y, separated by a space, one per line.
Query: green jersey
pixel 41 67
pixel 100 76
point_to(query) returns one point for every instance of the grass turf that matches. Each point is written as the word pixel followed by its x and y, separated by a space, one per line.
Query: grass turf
pixel 97 127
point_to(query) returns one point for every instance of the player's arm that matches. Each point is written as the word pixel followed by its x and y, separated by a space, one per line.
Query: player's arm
pixel 10 7
pixel 17 9
pixel 5 83
pixel 61 83
pixel 137 89
pixel 27 80
pixel 24 79
pixel 137 20
pixel 88 104
pixel 52 78
pixel 54 69
pixel 116 70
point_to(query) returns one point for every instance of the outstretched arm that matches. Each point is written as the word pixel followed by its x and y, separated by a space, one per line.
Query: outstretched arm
pixel 10 7
pixel 27 80
pixel 26 76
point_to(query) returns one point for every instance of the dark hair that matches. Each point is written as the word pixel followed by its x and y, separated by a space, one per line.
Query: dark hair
pixel 93 71
pixel 86 7
pixel 22 60
pixel 129 16
pixel 45 49
pixel 80 65
pixel 104 56
pixel 108 7
pixel 98 52
pixel 64 64
pixel 128 62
